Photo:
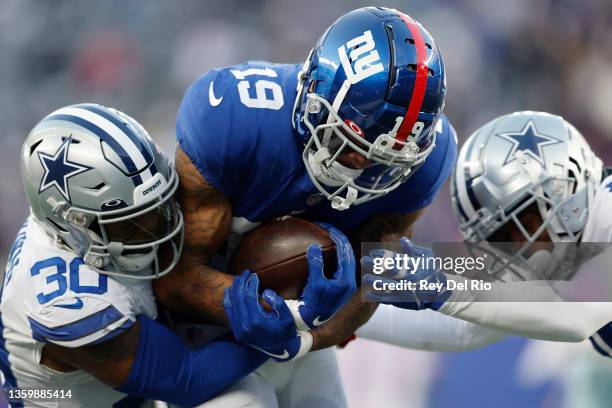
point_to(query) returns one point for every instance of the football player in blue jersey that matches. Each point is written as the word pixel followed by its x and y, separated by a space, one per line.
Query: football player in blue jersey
pixel 354 137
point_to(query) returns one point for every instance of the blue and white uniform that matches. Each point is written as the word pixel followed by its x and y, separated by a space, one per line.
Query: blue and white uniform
pixel 569 319
pixel 235 124
pixel 50 296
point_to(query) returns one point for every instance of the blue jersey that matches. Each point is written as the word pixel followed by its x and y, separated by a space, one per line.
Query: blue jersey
pixel 235 124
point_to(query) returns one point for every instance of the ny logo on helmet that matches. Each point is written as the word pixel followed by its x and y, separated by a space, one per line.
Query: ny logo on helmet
pixel 365 59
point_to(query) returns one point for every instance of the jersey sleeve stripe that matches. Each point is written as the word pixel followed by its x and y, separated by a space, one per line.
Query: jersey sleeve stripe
pixel 600 346
pixel 127 323
pixel 100 336
pixel 602 340
pixel 77 329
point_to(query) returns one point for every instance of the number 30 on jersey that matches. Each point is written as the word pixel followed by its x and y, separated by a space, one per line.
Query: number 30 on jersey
pixel 56 282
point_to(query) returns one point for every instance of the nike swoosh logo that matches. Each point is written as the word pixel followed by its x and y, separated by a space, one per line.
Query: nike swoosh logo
pixel 281 356
pixel 317 322
pixel 214 101
pixel 78 304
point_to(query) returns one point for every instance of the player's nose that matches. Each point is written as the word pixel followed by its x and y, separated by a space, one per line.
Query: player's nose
pixel 354 160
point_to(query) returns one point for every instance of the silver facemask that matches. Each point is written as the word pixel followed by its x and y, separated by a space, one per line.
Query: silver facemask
pixel 516 162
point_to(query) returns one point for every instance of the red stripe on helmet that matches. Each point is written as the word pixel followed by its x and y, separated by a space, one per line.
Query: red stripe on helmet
pixel 420 83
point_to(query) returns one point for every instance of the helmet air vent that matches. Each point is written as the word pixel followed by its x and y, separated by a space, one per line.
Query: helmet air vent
pixel 411 41
pixel 34 146
pixel 97 187
pixel 413 67
pixel 392 70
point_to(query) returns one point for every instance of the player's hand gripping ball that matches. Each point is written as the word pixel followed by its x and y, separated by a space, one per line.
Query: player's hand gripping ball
pixel 323 297
pixel 276 252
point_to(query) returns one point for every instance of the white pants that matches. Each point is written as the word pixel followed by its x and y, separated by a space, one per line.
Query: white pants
pixel 311 381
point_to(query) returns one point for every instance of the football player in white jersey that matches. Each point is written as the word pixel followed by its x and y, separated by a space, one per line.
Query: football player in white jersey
pixel 528 178
pixel 77 307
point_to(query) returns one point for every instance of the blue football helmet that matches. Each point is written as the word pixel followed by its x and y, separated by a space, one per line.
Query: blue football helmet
pixel 374 84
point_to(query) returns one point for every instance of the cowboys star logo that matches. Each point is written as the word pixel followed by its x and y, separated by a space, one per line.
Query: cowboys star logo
pixel 58 169
pixel 528 140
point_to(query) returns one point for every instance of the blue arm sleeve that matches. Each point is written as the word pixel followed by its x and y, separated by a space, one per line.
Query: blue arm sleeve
pixel 165 369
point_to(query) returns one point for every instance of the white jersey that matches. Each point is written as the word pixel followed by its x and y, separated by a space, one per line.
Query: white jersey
pixel 50 295
pixel 553 320
pixel 599 225
pixel 487 321
pixel 599 229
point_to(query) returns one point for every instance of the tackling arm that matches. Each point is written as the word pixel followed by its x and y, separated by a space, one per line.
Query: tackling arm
pixel 552 310
pixel 110 361
pixel 148 360
pixel 193 287
pixel 546 310
pixel 548 319
pixel 426 330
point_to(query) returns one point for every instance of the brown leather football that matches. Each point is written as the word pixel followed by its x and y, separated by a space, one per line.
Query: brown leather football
pixel 276 251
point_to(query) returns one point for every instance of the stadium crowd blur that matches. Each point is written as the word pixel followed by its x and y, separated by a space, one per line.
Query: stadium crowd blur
pixel 139 56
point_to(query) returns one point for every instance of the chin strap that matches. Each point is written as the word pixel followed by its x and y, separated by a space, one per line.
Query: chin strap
pixel 344 203
pixel 94 260
pixel 317 161
pixel 326 176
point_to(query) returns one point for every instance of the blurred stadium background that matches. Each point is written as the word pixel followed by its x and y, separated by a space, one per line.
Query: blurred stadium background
pixel 139 56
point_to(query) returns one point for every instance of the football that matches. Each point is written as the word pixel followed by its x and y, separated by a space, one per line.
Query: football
pixel 276 251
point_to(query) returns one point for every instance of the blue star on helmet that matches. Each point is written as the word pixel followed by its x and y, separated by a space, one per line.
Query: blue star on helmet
pixel 529 141
pixel 58 169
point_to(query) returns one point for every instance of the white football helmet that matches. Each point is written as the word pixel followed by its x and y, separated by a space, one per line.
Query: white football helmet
pixel 522 161
pixel 102 188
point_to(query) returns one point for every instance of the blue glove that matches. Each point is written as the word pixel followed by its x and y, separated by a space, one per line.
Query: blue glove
pixel 322 297
pixel 429 289
pixel 272 333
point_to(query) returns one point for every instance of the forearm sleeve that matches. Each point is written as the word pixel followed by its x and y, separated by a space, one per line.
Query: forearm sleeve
pixel 556 310
pixel 165 369
pixel 426 330
pixel 550 319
